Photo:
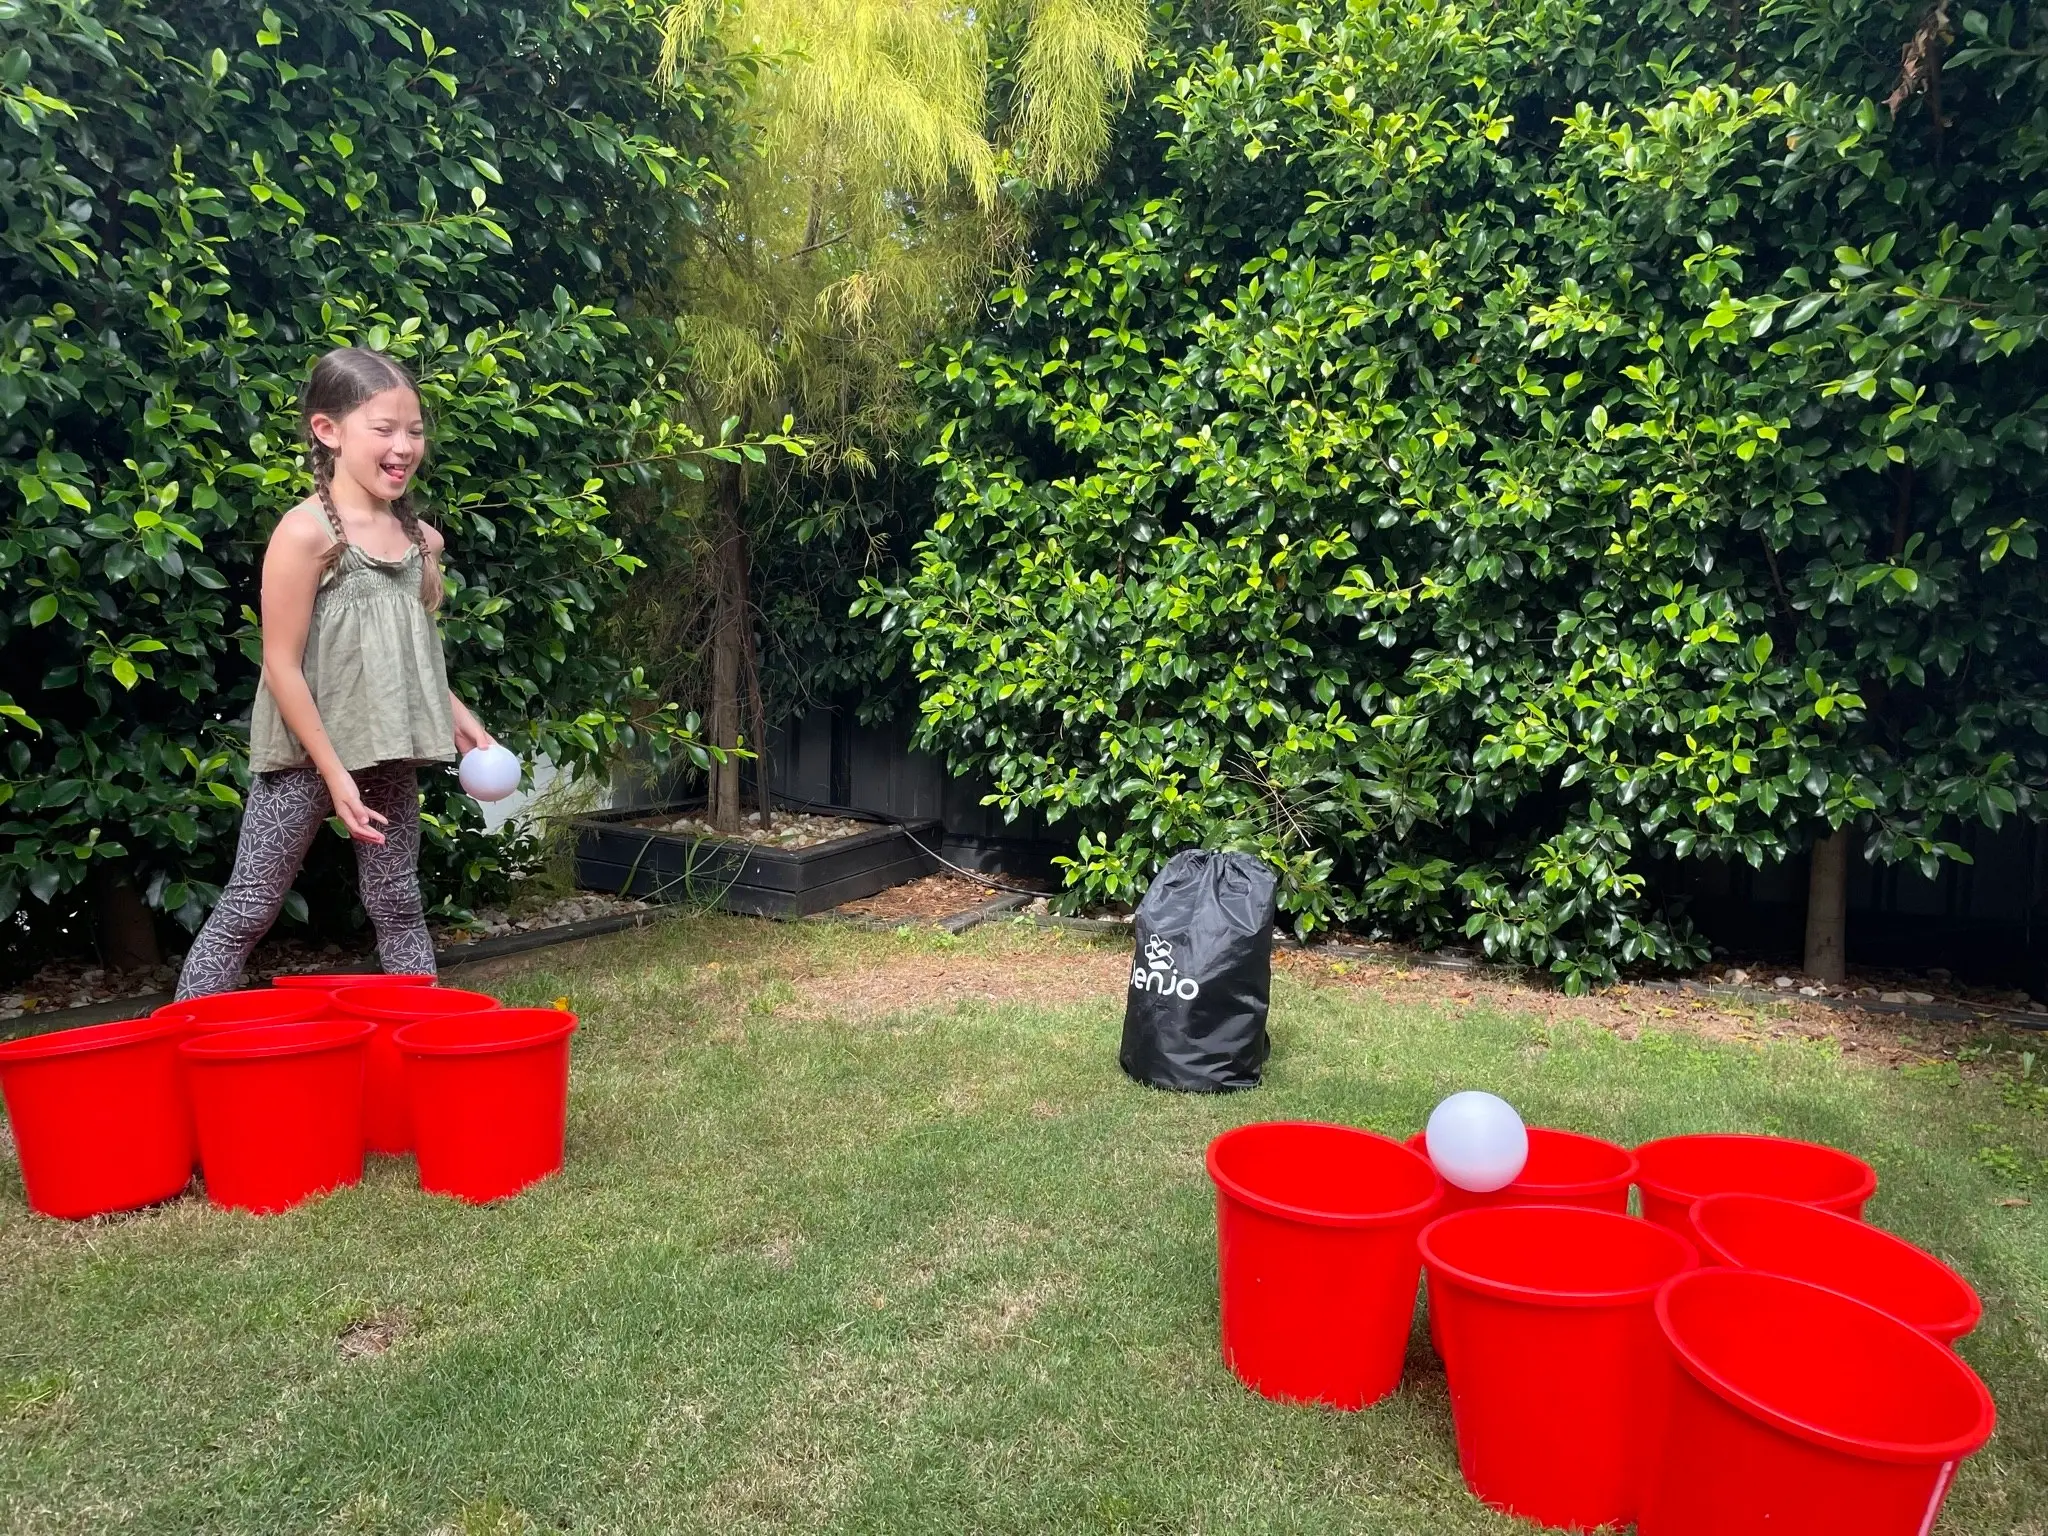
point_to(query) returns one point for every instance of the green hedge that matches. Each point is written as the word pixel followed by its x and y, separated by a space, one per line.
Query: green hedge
pixel 195 199
pixel 1477 454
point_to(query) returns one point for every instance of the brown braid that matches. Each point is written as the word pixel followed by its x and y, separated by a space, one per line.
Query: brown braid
pixel 342 380
pixel 432 588
pixel 323 487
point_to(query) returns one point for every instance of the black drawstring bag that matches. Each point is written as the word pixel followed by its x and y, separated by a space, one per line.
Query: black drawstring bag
pixel 1195 1019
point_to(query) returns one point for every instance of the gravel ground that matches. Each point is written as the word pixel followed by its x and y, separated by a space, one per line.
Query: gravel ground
pixel 786 831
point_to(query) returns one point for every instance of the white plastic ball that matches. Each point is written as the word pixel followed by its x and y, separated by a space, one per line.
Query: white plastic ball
pixel 1477 1141
pixel 489 773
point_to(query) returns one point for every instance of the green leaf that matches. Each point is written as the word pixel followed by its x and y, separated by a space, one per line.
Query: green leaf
pixel 42 610
pixel 1805 309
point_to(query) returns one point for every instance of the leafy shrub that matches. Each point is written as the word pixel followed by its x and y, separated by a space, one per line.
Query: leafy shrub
pixel 1485 452
pixel 195 199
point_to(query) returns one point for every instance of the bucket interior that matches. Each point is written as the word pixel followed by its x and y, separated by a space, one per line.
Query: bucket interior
pixel 1554 1250
pixel 1807 1243
pixel 404 1004
pixel 263 1006
pixel 332 982
pixel 1565 1159
pixel 1328 1171
pixel 1827 1363
pixel 277 1040
pixel 498 1029
pixel 1692 1166
pixel 87 1037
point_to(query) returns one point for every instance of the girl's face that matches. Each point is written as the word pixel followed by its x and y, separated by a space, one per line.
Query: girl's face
pixel 379 444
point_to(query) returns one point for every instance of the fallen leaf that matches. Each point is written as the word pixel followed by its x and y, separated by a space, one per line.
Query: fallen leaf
pixel 2015 1202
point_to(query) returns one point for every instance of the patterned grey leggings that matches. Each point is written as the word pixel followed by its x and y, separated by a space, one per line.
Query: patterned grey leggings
pixel 284 813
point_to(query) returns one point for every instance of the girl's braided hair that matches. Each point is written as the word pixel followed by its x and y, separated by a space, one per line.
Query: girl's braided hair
pixel 340 382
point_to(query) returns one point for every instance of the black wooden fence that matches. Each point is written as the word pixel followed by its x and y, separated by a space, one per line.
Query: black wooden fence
pixel 1986 922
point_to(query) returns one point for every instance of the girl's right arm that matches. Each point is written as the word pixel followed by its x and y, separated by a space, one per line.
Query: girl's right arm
pixel 291 580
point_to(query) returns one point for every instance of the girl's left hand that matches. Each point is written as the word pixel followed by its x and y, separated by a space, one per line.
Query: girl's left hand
pixel 469 735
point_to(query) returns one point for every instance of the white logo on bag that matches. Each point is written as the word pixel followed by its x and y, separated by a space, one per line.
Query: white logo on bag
pixel 1158 974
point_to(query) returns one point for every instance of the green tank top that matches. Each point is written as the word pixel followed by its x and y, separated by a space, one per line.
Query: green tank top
pixel 373 661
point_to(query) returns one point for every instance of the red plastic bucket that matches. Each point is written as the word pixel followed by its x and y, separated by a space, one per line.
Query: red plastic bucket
pixel 99 1116
pixel 1677 1170
pixel 334 981
pixel 280 1110
pixel 387 1121
pixel 1558 1378
pixel 1798 1409
pixel 490 1096
pixel 1841 1253
pixel 234 1010
pixel 1564 1168
pixel 1315 1238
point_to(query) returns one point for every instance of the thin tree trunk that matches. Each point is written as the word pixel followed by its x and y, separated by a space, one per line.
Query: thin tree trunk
pixel 1827 907
pixel 728 614
pixel 757 713
pixel 125 928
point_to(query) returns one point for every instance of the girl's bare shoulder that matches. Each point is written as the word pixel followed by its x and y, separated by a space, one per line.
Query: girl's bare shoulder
pixel 303 530
pixel 435 543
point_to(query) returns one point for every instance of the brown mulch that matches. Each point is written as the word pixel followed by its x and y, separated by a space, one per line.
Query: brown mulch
pixel 1044 969
pixel 71 983
pixel 922 901
pixel 1627 1010
pixel 1050 968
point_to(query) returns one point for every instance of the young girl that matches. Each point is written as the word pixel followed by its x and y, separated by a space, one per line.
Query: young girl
pixel 354 694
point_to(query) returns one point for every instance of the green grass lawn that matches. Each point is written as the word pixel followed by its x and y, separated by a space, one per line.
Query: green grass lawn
pixel 866 1232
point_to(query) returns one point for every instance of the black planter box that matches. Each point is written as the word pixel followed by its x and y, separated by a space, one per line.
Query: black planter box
pixel 614 855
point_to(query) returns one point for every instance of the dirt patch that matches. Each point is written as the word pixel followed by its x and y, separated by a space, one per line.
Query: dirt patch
pixel 922 901
pixel 1050 969
pixel 1045 974
pixel 1000 1318
pixel 1629 1009
pixel 370 1336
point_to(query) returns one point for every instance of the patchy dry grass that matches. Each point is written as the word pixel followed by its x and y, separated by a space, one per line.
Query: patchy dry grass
pixel 864 1232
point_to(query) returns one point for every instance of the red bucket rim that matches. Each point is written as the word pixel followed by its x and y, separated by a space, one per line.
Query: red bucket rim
pixel 1608 1184
pixel 1863 1189
pixel 109 1036
pixel 308 1007
pixel 1547 1296
pixel 301 1037
pixel 1354 1219
pixel 1931 1453
pixel 358 1003
pixel 334 981
pixel 548 1026
pixel 1946 1329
